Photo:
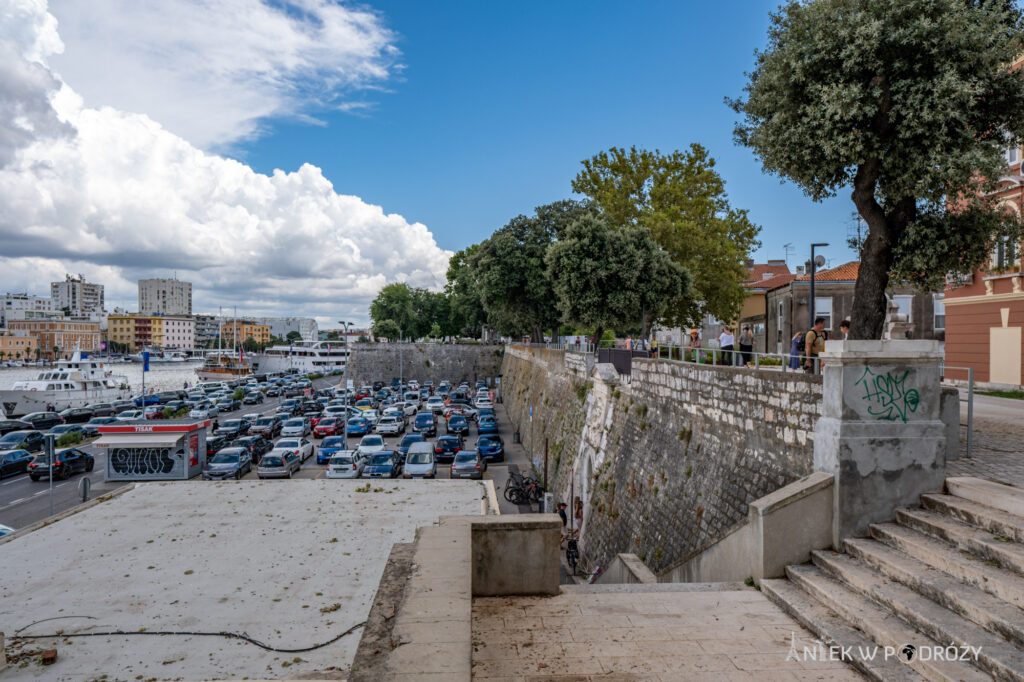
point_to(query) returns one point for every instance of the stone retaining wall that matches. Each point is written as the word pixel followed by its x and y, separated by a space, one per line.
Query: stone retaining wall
pixel 435 362
pixel 666 461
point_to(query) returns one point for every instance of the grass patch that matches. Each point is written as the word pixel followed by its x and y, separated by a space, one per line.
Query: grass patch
pixel 1015 395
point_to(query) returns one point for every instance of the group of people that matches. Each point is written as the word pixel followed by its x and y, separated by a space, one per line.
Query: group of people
pixel 805 347
pixel 577 520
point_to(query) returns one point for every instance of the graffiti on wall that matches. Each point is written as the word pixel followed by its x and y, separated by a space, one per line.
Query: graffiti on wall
pixel 887 396
pixel 143 462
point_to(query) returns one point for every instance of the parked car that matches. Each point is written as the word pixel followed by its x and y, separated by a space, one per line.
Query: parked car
pixel 328 426
pixel 5 530
pixel 468 464
pixel 215 443
pixel 91 427
pixel 61 429
pixel 435 404
pixel 204 410
pixel 253 398
pixel 426 424
pixel 279 465
pixel 370 444
pixel 65 463
pixel 228 463
pixel 486 425
pixel 31 440
pixel 120 406
pixel 457 424
pixel 382 464
pixel 273 391
pixel 446 446
pixel 407 441
pixel 42 421
pixel 364 404
pixel 346 464
pixel 153 412
pixel 229 404
pixel 491 447
pixel 101 409
pixel 357 426
pixel 314 419
pixel 13 462
pixel 297 426
pixel 390 426
pixel 300 446
pixel 256 446
pixel 8 425
pixel 420 462
pixel 129 415
pixel 232 429
pixel 143 400
pixel 328 447
pixel 268 427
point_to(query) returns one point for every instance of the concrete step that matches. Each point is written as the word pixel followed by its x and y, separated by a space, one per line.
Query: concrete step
pixel 1005 552
pixel 991 494
pixel 992 613
pixel 996 521
pixel 884 628
pixel 615 588
pixel 834 631
pixel 1005 585
pixel 997 656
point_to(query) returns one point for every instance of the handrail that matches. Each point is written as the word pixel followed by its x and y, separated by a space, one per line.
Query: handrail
pixel 714 355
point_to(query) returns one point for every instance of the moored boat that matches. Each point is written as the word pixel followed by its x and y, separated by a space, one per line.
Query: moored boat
pixel 71 383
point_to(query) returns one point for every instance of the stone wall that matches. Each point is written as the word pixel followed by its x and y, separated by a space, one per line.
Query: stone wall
pixel 668 459
pixel 435 362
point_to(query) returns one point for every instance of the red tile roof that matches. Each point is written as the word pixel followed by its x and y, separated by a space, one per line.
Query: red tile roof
pixel 759 271
pixel 847 272
pixel 773 282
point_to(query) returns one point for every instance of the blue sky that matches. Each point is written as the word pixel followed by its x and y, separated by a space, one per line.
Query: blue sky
pixel 498 102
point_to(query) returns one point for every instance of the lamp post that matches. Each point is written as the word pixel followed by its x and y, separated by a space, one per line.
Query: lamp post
pixel 401 372
pixel 813 267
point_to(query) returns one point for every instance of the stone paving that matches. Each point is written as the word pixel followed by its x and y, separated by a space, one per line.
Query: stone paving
pixel 998 449
pixel 707 635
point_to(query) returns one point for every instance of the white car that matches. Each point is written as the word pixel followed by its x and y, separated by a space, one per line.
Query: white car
pixel 297 426
pixel 204 410
pixel 129 415
pixel 484 404
pixel 435 404
pixel 371 416
pixel 390 425
pixel 300 446
pixel 408 407
pixel 345 464
pixel 370 444
pixel 414 385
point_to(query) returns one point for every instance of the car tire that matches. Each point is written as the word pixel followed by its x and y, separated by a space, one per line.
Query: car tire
pixel 90 465
pixel 34 478
pixel 63 473
pixel 289 473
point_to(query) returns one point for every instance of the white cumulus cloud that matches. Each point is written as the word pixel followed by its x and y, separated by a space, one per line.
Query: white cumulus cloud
pixel 117 196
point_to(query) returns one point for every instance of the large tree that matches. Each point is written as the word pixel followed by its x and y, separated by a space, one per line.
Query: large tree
pixel 910 104
pixel 395 303
pixel 604 276
pixel 467 313
pixel 511 275
pixel 682 200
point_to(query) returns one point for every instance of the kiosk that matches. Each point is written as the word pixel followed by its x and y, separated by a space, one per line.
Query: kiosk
pixel 154 451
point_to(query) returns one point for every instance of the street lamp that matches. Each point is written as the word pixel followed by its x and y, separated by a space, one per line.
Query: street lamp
pixel 814 265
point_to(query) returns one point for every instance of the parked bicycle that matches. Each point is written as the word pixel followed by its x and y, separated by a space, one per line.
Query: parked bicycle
pixel 521 489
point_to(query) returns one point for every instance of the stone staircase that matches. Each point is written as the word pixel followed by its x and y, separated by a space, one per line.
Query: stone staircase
pixel 947 574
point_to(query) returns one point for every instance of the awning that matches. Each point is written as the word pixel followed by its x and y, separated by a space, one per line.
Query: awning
pixel 123 440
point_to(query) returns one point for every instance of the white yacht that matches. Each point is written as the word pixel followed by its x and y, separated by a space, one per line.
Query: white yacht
pixel 157 356
pixel 305 357
pixel 72 383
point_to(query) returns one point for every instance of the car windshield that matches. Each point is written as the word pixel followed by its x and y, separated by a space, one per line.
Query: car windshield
pixel 420 458
pixel 345 460
pixel 381 459
pixel 232 423
pixel 356 421
pixel 465 457
pixel 294 422
pixel 271 462
pixel 412 438
pixel 372 440
pixel 457 420
pixel 424 419
pixel 225 458
pixel 13 437
pixel 487 442
pixel 333 442
pixel 363 403
pixel 326 422
pixel 287 443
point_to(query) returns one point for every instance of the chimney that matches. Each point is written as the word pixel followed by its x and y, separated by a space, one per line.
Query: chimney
pixel 799 270
pixel 776 262
pixel 749 263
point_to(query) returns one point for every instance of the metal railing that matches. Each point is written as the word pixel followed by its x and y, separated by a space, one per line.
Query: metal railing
pixel 776 362
pixel 966 377
pixel 553 345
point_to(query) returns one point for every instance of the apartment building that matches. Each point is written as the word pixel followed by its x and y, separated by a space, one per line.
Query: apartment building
pixel 24 306
pixel 78 297
pixel 165 297
pixel 59 338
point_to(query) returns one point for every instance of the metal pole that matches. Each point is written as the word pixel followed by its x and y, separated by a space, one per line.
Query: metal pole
pixel 50 452
pixel 970 407
pixel 546 464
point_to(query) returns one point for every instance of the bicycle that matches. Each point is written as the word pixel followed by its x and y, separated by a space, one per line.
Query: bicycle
pixel 572 553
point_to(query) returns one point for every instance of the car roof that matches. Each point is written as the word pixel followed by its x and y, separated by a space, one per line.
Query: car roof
pixel 23 431
pixel 420 446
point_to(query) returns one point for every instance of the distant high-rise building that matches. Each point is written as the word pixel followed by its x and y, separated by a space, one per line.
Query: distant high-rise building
pixel 280 326
pixel 165 296
pixel 23 306
pixel 79 297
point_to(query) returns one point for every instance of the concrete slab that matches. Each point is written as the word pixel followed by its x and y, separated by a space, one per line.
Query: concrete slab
pixel 290 563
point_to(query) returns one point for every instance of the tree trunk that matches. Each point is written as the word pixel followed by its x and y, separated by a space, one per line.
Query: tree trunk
pixel 598 333
pixel 537 336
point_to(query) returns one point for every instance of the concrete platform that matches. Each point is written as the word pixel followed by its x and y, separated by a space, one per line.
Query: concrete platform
pixel 290 563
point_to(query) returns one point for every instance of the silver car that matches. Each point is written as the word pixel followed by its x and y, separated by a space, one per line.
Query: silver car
pixel 390 425
pixel 299 426
pixel 278 465
pixel 346 464
pixel 420 462
pixel 370 444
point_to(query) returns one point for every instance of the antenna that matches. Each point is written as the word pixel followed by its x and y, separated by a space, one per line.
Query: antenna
pixel 788 249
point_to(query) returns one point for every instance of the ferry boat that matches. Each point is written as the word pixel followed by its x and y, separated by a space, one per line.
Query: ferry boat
pixel 304 357
pixel 224 367
pixel 77 382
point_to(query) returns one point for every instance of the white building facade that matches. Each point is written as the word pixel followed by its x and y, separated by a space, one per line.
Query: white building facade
pixel 24 306
pixel 165 297
pixel 81 298
pixel 280 326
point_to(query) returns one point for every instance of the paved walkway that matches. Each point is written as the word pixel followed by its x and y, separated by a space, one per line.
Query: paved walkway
pixel 998 441
pixel 664 635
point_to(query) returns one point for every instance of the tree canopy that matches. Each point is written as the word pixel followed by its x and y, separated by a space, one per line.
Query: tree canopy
pixel 387 329
pixel 604 277
pixel 909 104
pixel 681 199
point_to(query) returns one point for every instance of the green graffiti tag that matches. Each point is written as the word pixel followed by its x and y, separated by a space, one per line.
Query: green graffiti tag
pixel 887 396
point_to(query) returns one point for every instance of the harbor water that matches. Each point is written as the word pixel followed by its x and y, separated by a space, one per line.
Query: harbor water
pixel 161 376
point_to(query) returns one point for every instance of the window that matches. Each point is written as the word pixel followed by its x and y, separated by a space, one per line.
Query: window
pixel 823 308
pixel 1012 155
pixel 904 303
pixel 1005 254
pixel 940 311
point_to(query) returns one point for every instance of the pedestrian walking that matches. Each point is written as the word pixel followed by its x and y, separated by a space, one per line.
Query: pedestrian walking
pixel 565 523
pixel 695 344
pixel 727 342
pixel 654 347
pixel 747 345
pixel 814 344
pixel 629 342
pixel 794 351
pixel 216 424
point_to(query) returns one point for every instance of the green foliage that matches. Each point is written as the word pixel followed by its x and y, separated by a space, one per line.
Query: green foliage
pixel 908 103
pixel 238 394
pixel 467 313
pixel 604 276
pixel 386 329
pixel 681 199
pixel 583 389
pixel 69 438
pixel 394 303
pixel 435 330
pixel 167 413
pixel 293 337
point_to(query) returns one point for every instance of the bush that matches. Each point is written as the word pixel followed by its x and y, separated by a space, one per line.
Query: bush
pixel 69 438
pixel 167 413
pixel 238 394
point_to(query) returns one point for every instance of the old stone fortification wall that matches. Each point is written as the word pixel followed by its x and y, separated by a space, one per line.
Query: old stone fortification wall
pixel 435 362
pixel 666 461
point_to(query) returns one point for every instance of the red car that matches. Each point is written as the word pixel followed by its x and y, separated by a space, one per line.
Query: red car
pixel 362 393
pixel 328 426
pixel 314 419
